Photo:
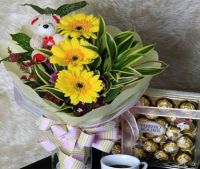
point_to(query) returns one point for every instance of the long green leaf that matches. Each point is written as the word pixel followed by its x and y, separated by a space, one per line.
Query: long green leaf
pixel 96 63
pixel 46 52
pixel 67 8
pixel 41 10
pixel 52 90
pixel 108 86
pixel 122 36
pixel 111 47
pixel 126 44
pixel 107 64
pixel 65 108
pixel 55 92
pixel 133 57
pixel 150 70
pixel 124 83
pixel 42 74
pixel 145 68
pixel 102 27
pixel 92 47
pixel 112 94
pixel 57 67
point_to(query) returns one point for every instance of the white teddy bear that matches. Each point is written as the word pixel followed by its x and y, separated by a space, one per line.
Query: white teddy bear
pixel 45 35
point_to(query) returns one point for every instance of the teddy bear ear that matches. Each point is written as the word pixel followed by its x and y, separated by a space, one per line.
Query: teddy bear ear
pixel 34 20
pixel 56 18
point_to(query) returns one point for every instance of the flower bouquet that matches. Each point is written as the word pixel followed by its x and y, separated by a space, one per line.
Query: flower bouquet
pixel 78 74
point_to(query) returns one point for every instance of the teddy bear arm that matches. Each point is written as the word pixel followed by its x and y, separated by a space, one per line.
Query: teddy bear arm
pixel 36 42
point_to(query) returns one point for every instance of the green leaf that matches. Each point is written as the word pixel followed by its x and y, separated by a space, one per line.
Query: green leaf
pixel 108 85
pixel 126 82
pixel 42 74
pixel 102 27
pixel 65 108
pixel 57 67
pixel 55 92
pixel 67 8
pixel 46 52
pixel 41 10
pixel 111 47
pixel 32 84
pixel 123 55
pixel 25 56
pixel 23 40
pixel 91 47
pixel 127 72
pixel 120 37
pixel 112 94
pixel 133 57
pixel 95 64
pixel 150 70
pixel 126 44
pixel 100 41
pixel 107 64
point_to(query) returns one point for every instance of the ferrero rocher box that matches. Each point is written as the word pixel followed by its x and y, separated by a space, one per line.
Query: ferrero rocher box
pixel 169 125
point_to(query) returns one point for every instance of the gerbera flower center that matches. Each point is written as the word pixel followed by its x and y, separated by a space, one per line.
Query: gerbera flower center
pixel 74 58
pixel 78 28
pixel 79 85
pixel 81 25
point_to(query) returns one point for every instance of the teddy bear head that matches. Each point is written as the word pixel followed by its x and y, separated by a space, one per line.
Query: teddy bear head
pixel 44 25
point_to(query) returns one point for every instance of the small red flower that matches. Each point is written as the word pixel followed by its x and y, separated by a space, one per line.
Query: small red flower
pixel 39 57
pixel 14 57
pixel 23 66
pixel 23 77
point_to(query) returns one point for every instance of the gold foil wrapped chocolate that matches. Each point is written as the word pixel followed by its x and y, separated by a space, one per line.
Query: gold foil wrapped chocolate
pixel 188 105
pixel 145 101
pixel 161 155
pixel 171 120
pixel 167 103
pixel 187 127
pixel 150 146
pixel 151 117
pixel 173 133
pixel 184 142
pixel 149 135
pixel 183 158
pixel 116 149
pixel 160 139
pixel 140 153
pixel 170 147
pixel 142 120
pixel 162 122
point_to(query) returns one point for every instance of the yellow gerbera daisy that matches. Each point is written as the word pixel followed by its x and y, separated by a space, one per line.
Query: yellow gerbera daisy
pixel 79 24
pixel 79 85
pixel 72 53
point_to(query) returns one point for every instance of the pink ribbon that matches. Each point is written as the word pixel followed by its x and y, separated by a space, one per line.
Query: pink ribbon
pixel 72 141
pixel 130 132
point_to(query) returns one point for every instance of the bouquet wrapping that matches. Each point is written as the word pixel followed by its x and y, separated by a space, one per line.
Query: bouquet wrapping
pixel 78 75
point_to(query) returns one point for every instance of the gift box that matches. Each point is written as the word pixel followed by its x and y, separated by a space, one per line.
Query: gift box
pixel 168 124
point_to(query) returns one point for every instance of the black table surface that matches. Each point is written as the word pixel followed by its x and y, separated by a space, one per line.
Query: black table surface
pixel 46 164
pixel 96 156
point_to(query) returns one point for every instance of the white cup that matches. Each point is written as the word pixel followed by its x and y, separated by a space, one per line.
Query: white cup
pixel 122 159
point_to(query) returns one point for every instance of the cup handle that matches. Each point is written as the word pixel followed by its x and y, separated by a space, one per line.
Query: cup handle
pixel 145 165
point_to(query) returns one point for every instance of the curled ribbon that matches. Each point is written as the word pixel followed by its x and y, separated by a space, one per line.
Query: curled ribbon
pixel 73 142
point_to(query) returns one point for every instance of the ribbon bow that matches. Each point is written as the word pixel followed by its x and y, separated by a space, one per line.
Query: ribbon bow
pixel 73 142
